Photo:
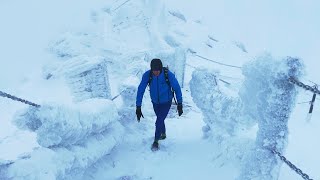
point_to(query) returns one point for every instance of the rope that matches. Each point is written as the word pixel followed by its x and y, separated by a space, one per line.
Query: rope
pixel 115 97
pixel 220 63
pixel 3 94
pixel 311 81
pixel 313 89
pixel 218 75
pixel 305 102
pixel 224 81
pixel 121 5
pixel 292 166
pixel 118 95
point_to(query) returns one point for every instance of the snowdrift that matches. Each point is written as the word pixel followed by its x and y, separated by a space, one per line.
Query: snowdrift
pixel 72 139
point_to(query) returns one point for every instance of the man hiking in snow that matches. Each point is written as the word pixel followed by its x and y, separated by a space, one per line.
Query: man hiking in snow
pixel 160 81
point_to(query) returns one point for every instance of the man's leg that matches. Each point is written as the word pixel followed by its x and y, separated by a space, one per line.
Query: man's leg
pixel 161 111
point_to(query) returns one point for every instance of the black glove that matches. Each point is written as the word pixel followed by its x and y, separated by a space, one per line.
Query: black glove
pixel 180 111
pixel 139 113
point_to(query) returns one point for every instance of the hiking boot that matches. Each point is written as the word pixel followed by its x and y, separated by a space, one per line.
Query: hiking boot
pixel 155 146
pixel 162 136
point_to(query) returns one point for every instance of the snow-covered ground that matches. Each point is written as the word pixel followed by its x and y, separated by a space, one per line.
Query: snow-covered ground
pixel 38 38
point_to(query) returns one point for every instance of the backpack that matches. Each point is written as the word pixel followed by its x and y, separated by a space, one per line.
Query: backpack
pixel 166 76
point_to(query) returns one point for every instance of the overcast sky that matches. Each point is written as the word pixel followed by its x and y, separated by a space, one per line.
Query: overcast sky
pixel 284 28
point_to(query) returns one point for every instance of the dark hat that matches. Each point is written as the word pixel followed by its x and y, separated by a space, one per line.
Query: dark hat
pixel 156 65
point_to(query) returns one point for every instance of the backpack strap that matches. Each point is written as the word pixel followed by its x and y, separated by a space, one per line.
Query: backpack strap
pixel 150 78
pixel 166 76
pixel 168 82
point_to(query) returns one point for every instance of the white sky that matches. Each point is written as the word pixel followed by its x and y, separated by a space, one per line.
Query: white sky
pixel 285 28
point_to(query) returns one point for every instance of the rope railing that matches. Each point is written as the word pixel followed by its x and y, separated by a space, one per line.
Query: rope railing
pixel 313 89
pixel 3 94
pixel 291 165
pixel 121 5
pixel 217 62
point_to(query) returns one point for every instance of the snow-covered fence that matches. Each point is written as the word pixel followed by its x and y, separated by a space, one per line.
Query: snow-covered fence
pixel 220 110
pixel 72 139
pixel 127 111
pixel 268 97
pixel 222 114
pixel 87 77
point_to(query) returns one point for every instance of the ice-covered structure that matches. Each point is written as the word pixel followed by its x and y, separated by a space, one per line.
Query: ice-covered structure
pixel 72 139
pixel 222 114
pixel 266 98
pixel 60 125
pixel 127 111
pixel 220 110
pixel 152 21
pixel 127 32
pixel 123 39
pixel 87 77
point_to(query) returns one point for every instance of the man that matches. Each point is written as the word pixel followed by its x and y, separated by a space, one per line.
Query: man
pixel 161 96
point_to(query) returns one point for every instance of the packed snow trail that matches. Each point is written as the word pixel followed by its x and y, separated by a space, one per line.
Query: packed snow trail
pixel 184 154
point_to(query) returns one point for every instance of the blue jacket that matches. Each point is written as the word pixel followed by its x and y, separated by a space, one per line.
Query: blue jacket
pixel 160 92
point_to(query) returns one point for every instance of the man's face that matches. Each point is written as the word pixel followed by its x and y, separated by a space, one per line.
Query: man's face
pixel 156 73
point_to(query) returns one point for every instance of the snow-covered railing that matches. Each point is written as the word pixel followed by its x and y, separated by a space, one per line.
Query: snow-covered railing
pixel 207 59
pixel 3 94
pixel 220 110
pixel 267 98
pixel 127 112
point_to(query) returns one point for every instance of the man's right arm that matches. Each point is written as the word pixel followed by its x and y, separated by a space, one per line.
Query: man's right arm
pixel 142 87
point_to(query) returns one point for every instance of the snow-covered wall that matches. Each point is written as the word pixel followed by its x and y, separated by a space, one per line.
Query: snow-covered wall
pixel 87 77
pixel 268 97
